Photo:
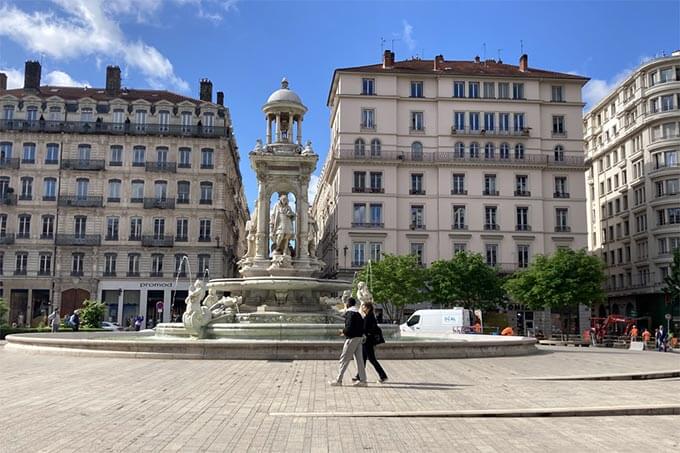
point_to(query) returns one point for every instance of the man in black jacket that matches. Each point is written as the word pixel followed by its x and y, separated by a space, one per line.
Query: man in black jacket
pixel 354 334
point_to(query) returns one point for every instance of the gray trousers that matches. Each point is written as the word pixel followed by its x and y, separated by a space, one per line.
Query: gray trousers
pixel 351 348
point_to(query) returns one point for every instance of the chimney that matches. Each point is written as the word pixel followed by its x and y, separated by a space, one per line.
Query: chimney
pixel 220 97
pixel 524 63
pixel 438 62
pixel 388 59
pixel 477 59
pixel 112 79
pixel 3 81
pixel 32 75
pixel 206 90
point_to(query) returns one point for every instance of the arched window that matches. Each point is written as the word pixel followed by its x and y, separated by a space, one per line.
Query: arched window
pixel 417 151
pixel 519 151
pixel 459 150
pixel 359 147
pixel 505 151
pixel 489 151
pixel 375 147
pixel 474 150
pixel 559 153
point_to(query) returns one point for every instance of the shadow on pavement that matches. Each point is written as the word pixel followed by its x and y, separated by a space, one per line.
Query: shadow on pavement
pixel 421 385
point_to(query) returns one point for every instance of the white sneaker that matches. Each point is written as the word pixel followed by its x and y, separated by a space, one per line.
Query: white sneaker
pixel 335 383
pixel 360 384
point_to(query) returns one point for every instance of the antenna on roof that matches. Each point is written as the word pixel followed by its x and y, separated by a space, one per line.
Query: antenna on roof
pixel 382 46
pixel 394 39
pixel 484 51
pixel 499 55
pixel 521 47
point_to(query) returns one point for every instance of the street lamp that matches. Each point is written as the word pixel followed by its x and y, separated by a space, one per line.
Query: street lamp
pixel 344 252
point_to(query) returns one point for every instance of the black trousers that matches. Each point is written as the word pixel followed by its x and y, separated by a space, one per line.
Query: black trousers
pixel 369 354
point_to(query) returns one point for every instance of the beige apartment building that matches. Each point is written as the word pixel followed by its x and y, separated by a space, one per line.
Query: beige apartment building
pixel 632 141
pixel 430 157
pixel 114 194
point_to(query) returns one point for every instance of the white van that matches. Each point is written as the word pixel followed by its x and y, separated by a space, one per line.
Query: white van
pixel 454 320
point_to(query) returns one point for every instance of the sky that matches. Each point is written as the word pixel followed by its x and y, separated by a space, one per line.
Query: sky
pixel 246 47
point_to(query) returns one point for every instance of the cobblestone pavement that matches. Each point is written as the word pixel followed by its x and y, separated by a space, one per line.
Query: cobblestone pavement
pixel 56 403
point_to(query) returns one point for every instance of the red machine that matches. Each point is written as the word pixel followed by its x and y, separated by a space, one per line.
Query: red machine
pixel 611 325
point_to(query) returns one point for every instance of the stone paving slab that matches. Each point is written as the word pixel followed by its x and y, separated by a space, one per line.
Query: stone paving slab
pixel 62 404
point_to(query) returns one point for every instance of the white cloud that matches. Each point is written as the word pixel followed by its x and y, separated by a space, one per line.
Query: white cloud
pixel 407 35
pixel 313 186
pixel 15 78
pixel 596 89
pixel 62 79
pixel 87 28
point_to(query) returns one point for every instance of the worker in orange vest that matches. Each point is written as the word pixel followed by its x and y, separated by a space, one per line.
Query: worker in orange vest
pixel 507 331
pixel 634 333
pixel 646 335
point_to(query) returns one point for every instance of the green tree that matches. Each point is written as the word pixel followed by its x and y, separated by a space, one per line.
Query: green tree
pixel 92 313
pixel 465 280
pixel 395 280
pixel 672 280
pixel 563 280
pixel 4 309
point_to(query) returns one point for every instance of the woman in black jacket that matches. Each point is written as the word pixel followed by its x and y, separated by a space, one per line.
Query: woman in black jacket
pixel 373 333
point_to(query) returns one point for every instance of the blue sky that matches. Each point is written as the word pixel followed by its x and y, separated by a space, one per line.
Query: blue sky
pixel 246 47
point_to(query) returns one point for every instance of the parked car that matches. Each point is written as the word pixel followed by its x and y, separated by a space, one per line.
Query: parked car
pixel 106 325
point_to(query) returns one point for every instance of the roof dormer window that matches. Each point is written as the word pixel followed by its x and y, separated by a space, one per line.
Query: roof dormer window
pixel 8 112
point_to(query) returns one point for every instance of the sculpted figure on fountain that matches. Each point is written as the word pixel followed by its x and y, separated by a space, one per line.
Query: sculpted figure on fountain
pixel 281 225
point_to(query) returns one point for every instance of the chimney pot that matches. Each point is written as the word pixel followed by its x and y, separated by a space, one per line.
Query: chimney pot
pixel 220 97
pixel 388 59
pixel 477 59
pixel 32 71
pixel 112 79
pixel 438 62
pixel 206 90
pixel 524 63
pixel 3 81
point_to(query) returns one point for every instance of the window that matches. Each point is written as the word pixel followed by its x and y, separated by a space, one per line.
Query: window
pixel 206 192
pixel 491 254
pixel 505 151
pixel 204 231
pixel 26 188
pixel 203 264
pixel 557 93
pixel 367 118
pixel 184 158
pixel 45 264
pixel 458 185
pixel 359 181
pixel 358 254
pixel 459 247
pixel 29 154
pixel 559 153
pixel 490 218
pixel 458 89
pixel 112 228
pixel 160 190
pixel 667 103
pixel 490 185
pixel 208 122
pixel 522 256
pixel 182 230
pixel 368 86
pixel 82 185
pixel 503 90
pixel 522 219
pixel 518 91
pixel 186 121
pixel 561 187
pixel 359 147
pixel 489 151
pixel 138 156
pixel 474 150
pixel 358 214
pixel 135 229
pixel 519 151
pixel 31 114
pixel 8 112
pixel 376 214
pixel 77 260
pixel 180 266
pixel 21 263
pixel 49 189
pixel 504 122
pixel 522 186
pixel 558 125
pixel 183 192
pixel 473 89
pixel 417 89
pixel 375 147
pixel 156 265
pixel 459 150
pixel 116 156
pixel 376 251
pixel 376 181
pixel 459 218
pixel 133 265
pixel 80 226
pixel 47 227
pixel 118 119
pixel 163 121
pixel 666 75
pixel 417 217
pixel 140 120
pixel 110 264
pixel 474 121
pixel 207 158
pixel 417 151
pixel 489 90
pixel 161 154
pixel 417 184
pixel 561 220
pixel 52 156
pixel 673 215
pixel 86 115
pixel 24 226
pixel 417 249
pixel 489 121
pixel 159 228
pixel 84 152
pixel 417 121
pixel 137 191
pixel 518 122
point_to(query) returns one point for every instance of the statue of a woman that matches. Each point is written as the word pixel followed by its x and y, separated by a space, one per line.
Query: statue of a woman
pixel 281 224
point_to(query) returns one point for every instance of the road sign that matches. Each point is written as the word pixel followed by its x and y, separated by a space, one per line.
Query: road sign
pixel 668 316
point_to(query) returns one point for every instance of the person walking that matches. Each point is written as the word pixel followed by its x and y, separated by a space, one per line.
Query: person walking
pixel 354 336
pixel 661 339
pixel 374 337
pixel 54 320
pixel 74 320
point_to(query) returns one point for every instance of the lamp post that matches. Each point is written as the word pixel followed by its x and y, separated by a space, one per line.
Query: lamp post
pixel 344 252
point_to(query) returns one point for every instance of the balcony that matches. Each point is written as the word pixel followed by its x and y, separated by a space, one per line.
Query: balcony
pixel 490 193
pixel 81 202
pixel 367 225
pixel 80 127
pixel 416 192
pixel 7 239
pixel 132 274
pixel 491 226
pixel 20 272
pixel 159 203
pixel 661 168
pixel 490 132
pixel 157 241
pixel 522 193
pixel 458 192
pixel 161 167
pixel 417 226
pixel 459 226
pixel 155 274
pixel 358 189
pixel 184 199
pixel 9 164
pixel 83 164
pixel 562 229
pixel 559 133
pixel 8 199
pixel 522 227
pixel 79 239
pixel 561 195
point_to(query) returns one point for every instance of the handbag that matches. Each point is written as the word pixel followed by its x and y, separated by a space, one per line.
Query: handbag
pixel 378 337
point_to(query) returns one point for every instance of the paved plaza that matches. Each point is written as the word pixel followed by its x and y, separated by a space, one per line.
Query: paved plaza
pixel 58 403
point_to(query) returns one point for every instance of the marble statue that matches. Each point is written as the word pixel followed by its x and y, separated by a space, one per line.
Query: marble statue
pixel 196 316
pixel 281 224
pixel 311 233
pixel 251 233
pixel 363 293
pixel 226 308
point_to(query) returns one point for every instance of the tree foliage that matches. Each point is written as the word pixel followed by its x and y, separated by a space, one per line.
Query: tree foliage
pixel 4 309
pixel 563 280
pixel 395 280
pixel 465 280
pixel 672 280
pixel 92 313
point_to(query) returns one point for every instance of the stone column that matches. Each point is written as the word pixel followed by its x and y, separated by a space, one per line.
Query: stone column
pixel 269 129
pixel 278 127
pixel 119 319
pixel 262 223
pixel 299 130
pixel 302 206
pixel 290 127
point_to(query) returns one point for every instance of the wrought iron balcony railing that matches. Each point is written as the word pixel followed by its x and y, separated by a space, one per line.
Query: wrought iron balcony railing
pixel 81 202
pixel 157 241
pixel 79 239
